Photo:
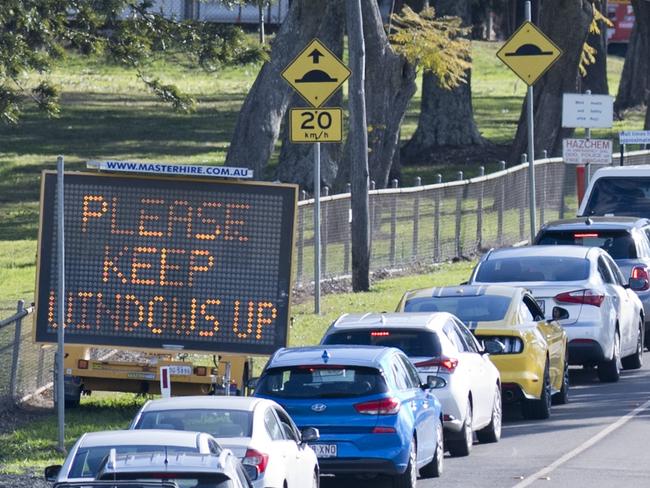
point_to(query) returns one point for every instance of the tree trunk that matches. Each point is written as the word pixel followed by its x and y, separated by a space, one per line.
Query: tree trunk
pixel 596 78
pixel 569 34
pixel 296 160
pixel 634 79
pixel 389 86
pixel 258 123
pixel 446 116
pixel 358 147
pixel 642 14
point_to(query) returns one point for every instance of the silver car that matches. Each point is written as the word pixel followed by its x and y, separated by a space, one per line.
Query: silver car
pixel 626 239
pixel 585 289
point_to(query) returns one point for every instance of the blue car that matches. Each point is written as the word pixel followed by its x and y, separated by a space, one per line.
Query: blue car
pixel 373 414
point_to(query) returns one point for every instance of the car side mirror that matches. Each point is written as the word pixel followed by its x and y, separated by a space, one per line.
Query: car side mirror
pixel 434 382
pixel 309 434
pixel 560 313
pixel 494 347
pixel 52 472
pixel 638 284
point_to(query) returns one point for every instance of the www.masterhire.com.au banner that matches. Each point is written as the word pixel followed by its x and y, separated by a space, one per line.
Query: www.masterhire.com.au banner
pixel 171 169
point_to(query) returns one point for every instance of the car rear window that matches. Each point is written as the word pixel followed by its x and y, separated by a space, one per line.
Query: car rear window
pixel 533 268
pixel 321 381
pixel 620 196
pixel 618 243
pixel 414 343
pixel 477 308
pixel 219 423
pixel 182 480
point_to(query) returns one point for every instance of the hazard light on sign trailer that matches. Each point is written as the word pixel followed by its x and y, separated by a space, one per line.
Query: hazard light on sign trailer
pixel 587 151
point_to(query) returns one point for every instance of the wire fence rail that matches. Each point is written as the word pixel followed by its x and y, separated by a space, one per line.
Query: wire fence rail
pixel 410 227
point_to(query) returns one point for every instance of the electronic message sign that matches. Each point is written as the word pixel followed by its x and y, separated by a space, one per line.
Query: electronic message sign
pixel 168 262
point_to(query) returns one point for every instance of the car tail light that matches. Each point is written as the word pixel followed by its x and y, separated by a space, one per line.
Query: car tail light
pixel 383 430
pixel 586 297
pixel 385 406
pixel 641 273
pixel 256 459
pixel 442 362
pixel 511 345
pixel 582 235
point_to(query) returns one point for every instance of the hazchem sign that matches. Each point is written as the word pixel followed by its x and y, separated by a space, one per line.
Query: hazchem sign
pixel 168 262
pixel 587 151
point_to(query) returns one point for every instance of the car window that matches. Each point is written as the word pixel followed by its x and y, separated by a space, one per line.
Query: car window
pixel 453 336
pixel 411 374
pixel 468 308
pixel 619 279
pixel 642 244
pixel 412 342
pixel 469 340
pixel 288 426
pixel 604 271
pixel 401 380
pixel 619 244
pixel 272 425
pixel 647 233
pixel 620 196
pixel 214 447
pixel 532 268
pixel 533 308
pixel 217 422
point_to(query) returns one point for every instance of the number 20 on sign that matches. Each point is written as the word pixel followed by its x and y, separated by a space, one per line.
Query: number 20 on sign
pixel 316 125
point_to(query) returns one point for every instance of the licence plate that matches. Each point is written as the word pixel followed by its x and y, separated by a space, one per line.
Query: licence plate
pixel 542 305
pixel 324 450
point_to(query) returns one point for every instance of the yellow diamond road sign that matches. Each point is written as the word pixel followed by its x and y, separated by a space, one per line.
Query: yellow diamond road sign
pixel 529 53
pixel 316 73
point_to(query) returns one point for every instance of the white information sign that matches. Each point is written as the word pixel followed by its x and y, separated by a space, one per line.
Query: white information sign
pixel 587 151
pixel 587 111
pixel 165 382
pixel 171 169
pixel 634 137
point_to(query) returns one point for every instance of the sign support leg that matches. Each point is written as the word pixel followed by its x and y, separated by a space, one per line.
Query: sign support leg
pixel 317 228
pixel 60 383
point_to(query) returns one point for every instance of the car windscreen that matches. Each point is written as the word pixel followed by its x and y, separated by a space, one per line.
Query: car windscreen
pixel 89 460
pixel 618 243
pixel 414 343
pixel 321 381
pixel 468 308
pixel 218 422
pixel 620 196
pixel 182 480
pixel 532 268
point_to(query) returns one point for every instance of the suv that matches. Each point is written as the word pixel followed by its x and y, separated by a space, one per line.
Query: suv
pixel 626 239
pixel 618 190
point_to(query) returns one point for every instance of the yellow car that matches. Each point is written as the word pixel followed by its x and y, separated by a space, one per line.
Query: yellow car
pixel 529 351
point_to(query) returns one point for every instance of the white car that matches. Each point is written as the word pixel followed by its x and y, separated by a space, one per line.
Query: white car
pixel 605 318
pixel 88 456
pixel 618 190
pixel 438 344
pixel 259 431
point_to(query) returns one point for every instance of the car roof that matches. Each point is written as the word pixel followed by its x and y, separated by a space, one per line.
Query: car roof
pixel 542 251
pixel 148 462
pixel 204 402
pixel 348 355
pixel 597 223
pixel 154 437
pixel 632 170
pixel 464 290
pixel 418 320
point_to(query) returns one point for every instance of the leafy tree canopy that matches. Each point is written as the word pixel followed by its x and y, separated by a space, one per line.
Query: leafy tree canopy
pixel 33 33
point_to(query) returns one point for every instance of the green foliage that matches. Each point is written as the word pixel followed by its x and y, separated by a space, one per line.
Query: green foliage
pixel 35 32
pixel 434 44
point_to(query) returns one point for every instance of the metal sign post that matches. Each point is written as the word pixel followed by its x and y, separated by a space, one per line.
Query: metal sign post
pixel 317 247
pixel 531 150
pixel 60 354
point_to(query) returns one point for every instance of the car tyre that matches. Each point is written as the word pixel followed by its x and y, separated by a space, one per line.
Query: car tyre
pixel 435 467
pixel 462 446
pixel 539 409
pixel 635 361
pixel 492 433
pixel 562 396
pixel 408 478
pixel 610 371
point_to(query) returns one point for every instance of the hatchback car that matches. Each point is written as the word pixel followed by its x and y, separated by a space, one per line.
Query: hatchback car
pixel 626 239
pixel 605 319
pixel 437 344
pixel 90 452
pixel 259 432
pixel 529 351
pixel 373 414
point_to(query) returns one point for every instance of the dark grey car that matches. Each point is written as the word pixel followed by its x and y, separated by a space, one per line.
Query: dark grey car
pixel 626 239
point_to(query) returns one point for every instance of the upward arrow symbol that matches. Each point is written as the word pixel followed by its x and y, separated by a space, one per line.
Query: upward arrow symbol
pixel 315 55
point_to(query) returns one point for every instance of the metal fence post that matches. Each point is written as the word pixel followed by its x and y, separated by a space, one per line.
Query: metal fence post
pixel 416 220
pixel 13 385
pixel 501 201
pixel 459 216
pixel 479 210
pixel 373 214
pixel 541 203
pixel 436 222
pixel 301 236
pixel 346 239
pixel 324 232
pixel 393 224
pixel 522 206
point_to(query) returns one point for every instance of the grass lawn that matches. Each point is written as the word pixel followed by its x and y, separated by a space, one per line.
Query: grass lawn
pixel 31 445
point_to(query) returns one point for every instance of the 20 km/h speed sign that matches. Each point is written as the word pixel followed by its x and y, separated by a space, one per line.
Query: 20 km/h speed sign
pixel 316 125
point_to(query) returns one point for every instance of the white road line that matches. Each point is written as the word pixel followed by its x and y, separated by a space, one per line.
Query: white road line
pixel 581 448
